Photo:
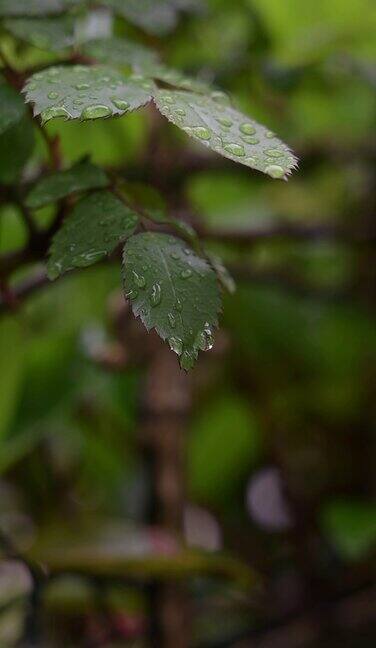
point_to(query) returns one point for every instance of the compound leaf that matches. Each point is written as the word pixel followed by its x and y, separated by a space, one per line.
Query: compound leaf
pixel 83 92
pixel 173 291
pixel 54 34
pixel 12 107
pixel 93 230
pixel 212 121
pixel 80 177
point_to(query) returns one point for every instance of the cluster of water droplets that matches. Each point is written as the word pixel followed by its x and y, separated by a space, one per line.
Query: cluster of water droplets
pixel 86 93
pixel 224 130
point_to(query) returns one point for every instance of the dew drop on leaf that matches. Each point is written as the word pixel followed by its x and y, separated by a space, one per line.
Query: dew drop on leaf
pixel 96 111
pixel 235 149
pixel 274 153
pixel 275 171
pixel 156 294
pixel 121 104
pixel 176 345
pixel 247 129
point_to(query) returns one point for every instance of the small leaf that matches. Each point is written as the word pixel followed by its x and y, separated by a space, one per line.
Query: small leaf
pixel 34 7
pixel 12 107
pixel 46 33
pixel 118 51
pixel 82 92
pixel 154 16
pixel 93 230
pixel 223 274
pixel 81 177
pixel 173 291
pixel 213 122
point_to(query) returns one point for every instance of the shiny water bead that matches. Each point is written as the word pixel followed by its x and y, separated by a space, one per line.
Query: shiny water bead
pixel 176 345
pixel 247 129
pixel 235 149
pixel 274 153
pixel 156 294
pixel 54 112
pixel 121 104
pixel 275 171
pixel 202 133
pixel 96 111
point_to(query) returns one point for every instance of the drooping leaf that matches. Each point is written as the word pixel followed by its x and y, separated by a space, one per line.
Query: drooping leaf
pixel 118 51
pixel 154 16
pixel 80 177
pixel 12 107
pixel 55 33
pixel 34 7
pixel 214 123
pixel 82 92
pixel 93 230
pixel 173 291
pixel 16 146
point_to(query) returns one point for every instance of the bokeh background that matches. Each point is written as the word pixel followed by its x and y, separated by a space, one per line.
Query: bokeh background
pixel 234 506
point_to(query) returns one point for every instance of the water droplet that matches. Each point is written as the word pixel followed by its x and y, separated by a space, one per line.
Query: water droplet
pixel 202 133
pixel 224 121
pixel 156 295
pixel 250 160
pixel 96 111
pixel 82 86
pixel 247 129
pixel 221 98
pixel 132 294
pixel 32 86
pixel 180 112
pixel 235 149
pixel 274 153
pixel 77 102
pixel 175 256
pixel 139 280
pixel 168 99
pixel 120 104
pixel 204 339
pixel 53 95
pixel 53 112
pixel 185 274
pixel 179 306
pixel 249 139
pixel 275 171
pixel 270 135
pixel 176 345
pixel 172 320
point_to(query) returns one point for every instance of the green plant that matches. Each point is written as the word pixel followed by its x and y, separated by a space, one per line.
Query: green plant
pixel 172 282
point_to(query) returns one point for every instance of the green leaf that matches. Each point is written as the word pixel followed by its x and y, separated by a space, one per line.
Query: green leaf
pixel 46 33
pixel 213 122
pixel 81 177
pixel 118 51
pixel 175 78
pixel 173 291
pixel 16 146
pixel 93 230
pixel 12 107
pixel 154 16
pixel 34 7
pixel 82 92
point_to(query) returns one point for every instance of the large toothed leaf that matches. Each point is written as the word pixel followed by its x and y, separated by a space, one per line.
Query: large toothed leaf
pixel 213 122
pixel 83 92
pixel 12 107
pixel 81 177
pixel 173 291
pixel 94 229
pixel 118 51
pixel 34 7
pixel 154 16
pixel 46 33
